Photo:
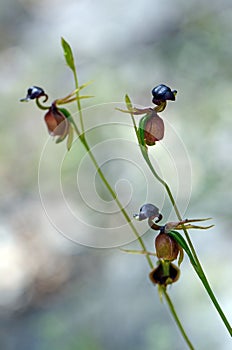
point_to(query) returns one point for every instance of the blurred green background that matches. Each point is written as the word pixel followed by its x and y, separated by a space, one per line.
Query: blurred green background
pixel 55 293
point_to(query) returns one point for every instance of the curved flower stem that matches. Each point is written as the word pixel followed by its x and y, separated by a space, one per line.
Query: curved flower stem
pixel 173 311
pixel 40 105
pixel 197 266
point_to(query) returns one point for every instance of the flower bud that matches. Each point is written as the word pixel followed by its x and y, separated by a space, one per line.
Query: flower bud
pixel 151 128
pixel 166 247
pixel 166 273
pixel 57 123
pixel 163 93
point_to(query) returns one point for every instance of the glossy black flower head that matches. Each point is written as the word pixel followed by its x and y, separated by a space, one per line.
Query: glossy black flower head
pixel 33 93
pixel 148 211
pixel 163 93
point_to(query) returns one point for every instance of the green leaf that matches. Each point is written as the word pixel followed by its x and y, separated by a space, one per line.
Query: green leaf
pixel 70 138
pixel 181 241
pixel 65 112
pixel 68 55
pixel 128 102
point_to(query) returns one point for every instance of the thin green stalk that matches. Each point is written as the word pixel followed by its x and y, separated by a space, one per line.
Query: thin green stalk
pixel 78 102
pixel 173 311
pixel 198 268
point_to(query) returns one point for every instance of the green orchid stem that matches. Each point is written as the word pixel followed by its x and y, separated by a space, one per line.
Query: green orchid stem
pixel 173 311
pixel 197 266
pixel 78 101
